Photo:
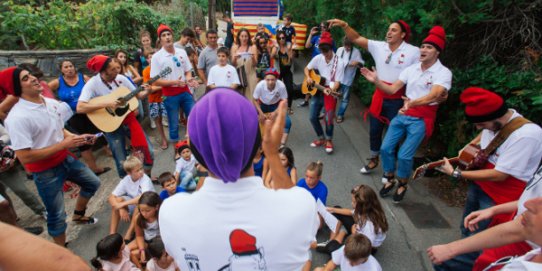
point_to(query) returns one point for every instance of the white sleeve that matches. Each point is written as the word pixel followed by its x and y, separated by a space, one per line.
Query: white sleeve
pixel 211 77
pixel 235 79
pixel 312 63
pixel 187 65
pixel 283 94
pixel 147 184
pixel 369 231
pixel 403 76
pixel 257 90
pixel 155 65
pixel 444 79
pixel 372 46
pixel 356 56
pixel 179 165
pixel 126 82
pixel 87 92
pixel 20 132
pixel 120 190
pixel 515 159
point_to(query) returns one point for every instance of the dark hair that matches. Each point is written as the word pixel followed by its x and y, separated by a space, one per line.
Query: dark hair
pixel 146 53
pixel 279 33
pixel 188 32
pixel 165 177
pixel 324 47
pixel 211 31
pixel 156 247
pixel 32 69
pixel 289 155
pixel 357 247
pixel 118 52
pixel 368 207
pixel 151 199
pixel 347 42
pixel 238 40
pixel 61 63
pixel 317 166
pixel 107 249
pixel 223 50
pixel 288 16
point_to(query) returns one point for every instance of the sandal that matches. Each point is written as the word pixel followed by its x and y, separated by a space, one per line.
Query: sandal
pixel 398 197
pixel 83 220
pixel 340 119
pixel 388 186
pixel 373 163
pixel 105 169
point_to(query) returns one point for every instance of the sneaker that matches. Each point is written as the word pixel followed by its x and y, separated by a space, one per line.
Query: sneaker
pixel 153 123
pixel 373 163
pixel 318 143
pixel 322 244
pixel 321 116
pixel 387 187
pixel 164 122
pixel 303 104
pixel 329 147
pixel 34 230
pixel 387 179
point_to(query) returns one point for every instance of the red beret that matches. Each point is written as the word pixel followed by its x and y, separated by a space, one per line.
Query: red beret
pixel 272 71
pixel 96 63
pixel 482 105
pixel 163 28
pixel 242 243
pixel 181 145
pixel 405 28
pixel 6 83
pixel 436 37
pixel 325 38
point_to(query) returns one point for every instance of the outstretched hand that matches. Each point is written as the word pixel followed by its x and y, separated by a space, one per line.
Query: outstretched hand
pixel 370 75
pixel 439 253
pixel 336 22
pixel 273 129
pixel 471 221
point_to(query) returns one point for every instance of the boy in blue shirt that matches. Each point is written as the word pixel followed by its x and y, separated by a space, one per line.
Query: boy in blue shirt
pixel 312 182
pixel 168 182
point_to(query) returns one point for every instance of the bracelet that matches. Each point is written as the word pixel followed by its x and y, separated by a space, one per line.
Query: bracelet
pixel 346 25
pixel 456 174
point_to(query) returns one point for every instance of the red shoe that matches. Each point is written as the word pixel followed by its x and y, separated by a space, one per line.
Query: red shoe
pixel 329 146
pixel 318 143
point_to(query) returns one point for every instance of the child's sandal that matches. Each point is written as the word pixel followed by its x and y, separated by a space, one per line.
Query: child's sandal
pixel 83 220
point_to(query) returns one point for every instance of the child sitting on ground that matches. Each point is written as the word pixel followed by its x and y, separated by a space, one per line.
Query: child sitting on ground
pixel 126 194
pixel 160 260
pixel 287 159
pixel 168 182
pixel 260 165
pixel 312 181
pixel 146 226
pixel 223 74
pixel 185 167
pixel 355 255
pixel 112 255
pixel 367 218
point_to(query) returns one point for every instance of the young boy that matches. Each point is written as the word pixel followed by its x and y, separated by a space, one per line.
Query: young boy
pixel 289 30
pixel 168 182
pixel 124 198
pixel 223 74
pixel 355 255
pixel 185 167
pixel 157 111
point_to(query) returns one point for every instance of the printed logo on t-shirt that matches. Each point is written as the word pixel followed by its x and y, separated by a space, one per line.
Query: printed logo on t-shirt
pixel 401 59
pixel 228 74
pixel 429 82
pixel 246 256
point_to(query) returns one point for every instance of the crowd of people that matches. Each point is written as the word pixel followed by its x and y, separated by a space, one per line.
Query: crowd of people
pixel 233 200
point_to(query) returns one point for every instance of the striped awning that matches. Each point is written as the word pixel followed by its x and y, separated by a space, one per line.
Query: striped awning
pixel 255 8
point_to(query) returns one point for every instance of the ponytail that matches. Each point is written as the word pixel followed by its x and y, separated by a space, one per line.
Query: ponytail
pixel 96 263
pixel 317 167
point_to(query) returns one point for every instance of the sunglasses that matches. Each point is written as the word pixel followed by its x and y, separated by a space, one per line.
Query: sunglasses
pixel 176 60
pixel 282 38
pixel 388 59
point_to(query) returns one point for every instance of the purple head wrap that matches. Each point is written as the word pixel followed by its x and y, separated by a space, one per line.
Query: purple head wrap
pixel 223 130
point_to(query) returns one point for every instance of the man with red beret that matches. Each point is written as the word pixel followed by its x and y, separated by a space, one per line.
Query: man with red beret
pixel 104 82
pixel 36 128
pixel 331 68
pixel 391 57
pixel 503 179
pixel 174 85
pixel 7 98
pixel 426 82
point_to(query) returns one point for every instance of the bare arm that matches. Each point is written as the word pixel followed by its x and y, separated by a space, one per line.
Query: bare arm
pixel 201 74
pixel 234 55
pixel 436 92
pixel 255 53
pixel 33 155
pixel 293 175
pixel 341 211
pixel 22 251
pixel 54 84
pixel 351 34
pixel 372 77
pixel 136 76
pixel 6 105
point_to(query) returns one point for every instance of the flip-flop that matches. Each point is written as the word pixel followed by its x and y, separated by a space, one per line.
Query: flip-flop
pixel 162 147
pixel 106 169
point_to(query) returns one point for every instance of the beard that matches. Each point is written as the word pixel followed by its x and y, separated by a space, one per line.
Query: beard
pixel 496 126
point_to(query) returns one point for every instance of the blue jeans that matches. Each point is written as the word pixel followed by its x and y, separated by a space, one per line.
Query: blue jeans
pixel 187 180
pixel 49 184
pixel 117 144
pixel 345 90
pixel 267 108
pixel 376 128
pixel 173 105
pixel 315 107
pixel 413 131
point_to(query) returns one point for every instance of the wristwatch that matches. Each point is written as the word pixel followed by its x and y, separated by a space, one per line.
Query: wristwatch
pixel 456 174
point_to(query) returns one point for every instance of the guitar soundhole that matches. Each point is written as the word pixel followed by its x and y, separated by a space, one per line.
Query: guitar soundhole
pixel 120 111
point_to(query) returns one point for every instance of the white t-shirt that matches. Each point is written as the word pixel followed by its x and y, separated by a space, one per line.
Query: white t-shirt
pixel 178 62
pixel 369 230
pixel 152 230
pixel 520 154
pixel 347 58
pixel 124 265
pixel 183 165
pixel 273 229
pixel 131 189
pixel 523 264
pixel 223 76
pixel 419 83
pixel 153 266
pixel 404 56
pixel 340 260
pixel 262 92
pixel 325 69
pixel 36 126
pixel 532 190
pixel 95 87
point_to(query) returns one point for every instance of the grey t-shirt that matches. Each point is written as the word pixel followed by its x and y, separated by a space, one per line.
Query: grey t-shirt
pixel 207 59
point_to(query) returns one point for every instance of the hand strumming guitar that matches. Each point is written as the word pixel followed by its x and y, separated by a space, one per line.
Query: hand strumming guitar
pixel 446 168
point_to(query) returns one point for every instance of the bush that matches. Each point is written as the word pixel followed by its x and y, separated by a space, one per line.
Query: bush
pixel 66 25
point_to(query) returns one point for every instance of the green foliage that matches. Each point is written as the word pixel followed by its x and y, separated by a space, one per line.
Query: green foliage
pixel 67 25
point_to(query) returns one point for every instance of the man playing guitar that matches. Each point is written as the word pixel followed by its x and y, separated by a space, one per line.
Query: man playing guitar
pixel 331 68
pixel 509 166
pixel 106 81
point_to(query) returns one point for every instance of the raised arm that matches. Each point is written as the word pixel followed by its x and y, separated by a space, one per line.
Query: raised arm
pixel 351 34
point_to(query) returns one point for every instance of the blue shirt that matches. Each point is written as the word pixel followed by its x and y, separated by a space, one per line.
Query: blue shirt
pixel 318 192
pixel 70 94
pixel 164 194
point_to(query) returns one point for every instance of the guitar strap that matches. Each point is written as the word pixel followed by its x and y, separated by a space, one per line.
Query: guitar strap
pixel 334 68
pixel 508 129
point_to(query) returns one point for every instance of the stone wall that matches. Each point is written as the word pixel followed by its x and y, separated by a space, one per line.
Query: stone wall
pixel 48 61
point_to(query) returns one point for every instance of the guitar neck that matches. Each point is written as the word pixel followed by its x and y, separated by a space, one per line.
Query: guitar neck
pixel 140 88
pixel 439 163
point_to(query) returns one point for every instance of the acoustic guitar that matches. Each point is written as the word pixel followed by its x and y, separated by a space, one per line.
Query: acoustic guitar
pixel 319 83
pixel 467 159
pixel 108 119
